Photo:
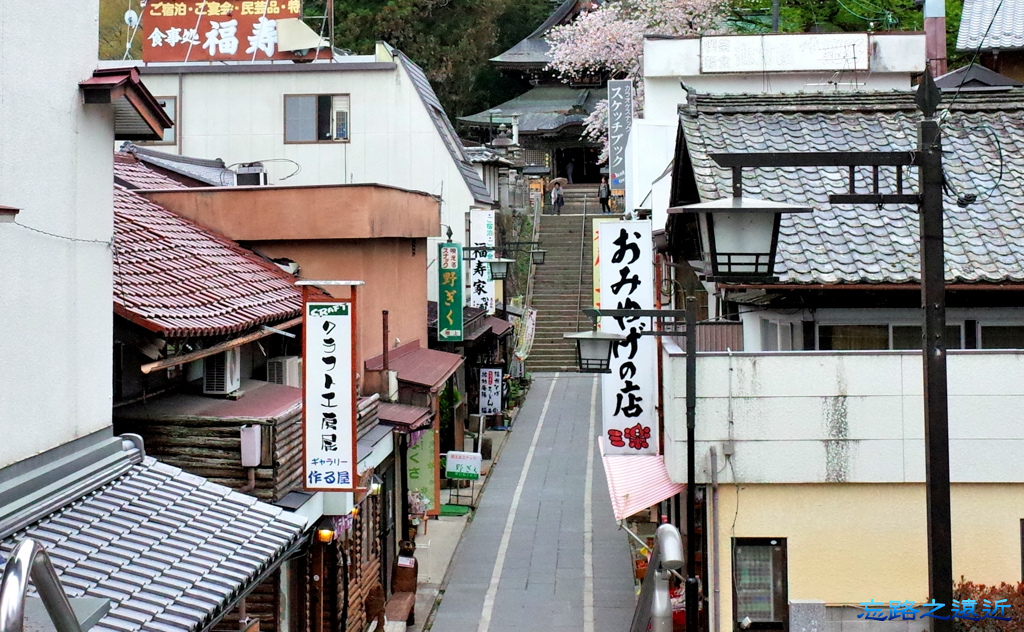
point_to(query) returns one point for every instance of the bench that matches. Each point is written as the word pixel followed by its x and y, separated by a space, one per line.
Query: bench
pixel 401 607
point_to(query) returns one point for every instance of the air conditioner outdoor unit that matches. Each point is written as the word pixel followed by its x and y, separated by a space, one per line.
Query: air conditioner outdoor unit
pixel 251 174
pixel 285 370
pixel 222 373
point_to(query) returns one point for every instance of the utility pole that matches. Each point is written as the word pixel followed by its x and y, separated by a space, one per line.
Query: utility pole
pixel 692 542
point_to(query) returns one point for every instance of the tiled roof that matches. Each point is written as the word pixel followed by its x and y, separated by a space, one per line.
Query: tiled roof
pixel 974 77
pixel 545 108
pixel 534 48
pixel 444 128
pixel 130 173
pixel 212 172
pixel 1007 30
pixel 863 244
pixel 178 279
pixel 425 367
pixel 172 551
pixel 486 155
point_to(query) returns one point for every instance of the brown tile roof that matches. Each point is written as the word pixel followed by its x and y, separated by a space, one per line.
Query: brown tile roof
pixel 178 279
pixel 425 367
pixel 132 174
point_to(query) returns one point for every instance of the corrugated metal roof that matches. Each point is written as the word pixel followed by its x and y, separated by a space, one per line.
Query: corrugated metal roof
pixel 172 551
pixel 408 417
pixel 178 279
pixel 1007 32
pixel 498 326
pixel 259 400
pixel 444 128
pixel 863 244
pixel 425 367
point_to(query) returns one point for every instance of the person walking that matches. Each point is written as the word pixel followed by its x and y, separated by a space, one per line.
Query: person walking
pixel 603 193
pixel 568 171
pixel 557 199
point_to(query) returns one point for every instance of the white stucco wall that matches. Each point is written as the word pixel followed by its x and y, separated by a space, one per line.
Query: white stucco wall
pixel 855 417
pixel 56 165
pixel 239 117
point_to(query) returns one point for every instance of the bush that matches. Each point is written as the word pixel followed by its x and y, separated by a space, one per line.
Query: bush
pixel 980 593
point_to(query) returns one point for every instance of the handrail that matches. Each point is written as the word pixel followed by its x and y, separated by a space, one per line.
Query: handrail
pixel 30 560
pixel 583 256
pixel 533 269
pixel 654 607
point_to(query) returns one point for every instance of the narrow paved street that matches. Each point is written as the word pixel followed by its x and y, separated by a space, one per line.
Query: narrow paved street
pixel 543 551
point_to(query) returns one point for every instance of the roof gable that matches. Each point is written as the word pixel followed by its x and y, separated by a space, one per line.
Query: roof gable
pixel 860 244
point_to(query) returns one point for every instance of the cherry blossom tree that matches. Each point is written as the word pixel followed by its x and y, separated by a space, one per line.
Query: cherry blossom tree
pixel 607 40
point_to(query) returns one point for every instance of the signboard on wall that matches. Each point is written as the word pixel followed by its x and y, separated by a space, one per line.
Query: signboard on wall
pixel 329 397
pixel 200 30
pixel 423 475
pixel 481 235
pixel 449 300
pixel 620 119
pixel 629 392
pixel 780 53
pixel 490 391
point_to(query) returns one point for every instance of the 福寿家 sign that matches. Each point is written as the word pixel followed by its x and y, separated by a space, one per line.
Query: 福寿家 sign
pixel 449 292
pixel 464 465
pixel 205 30
pixel 629 391
pixel 329 402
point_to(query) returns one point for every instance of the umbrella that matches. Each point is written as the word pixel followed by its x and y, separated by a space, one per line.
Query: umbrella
pixel 561 181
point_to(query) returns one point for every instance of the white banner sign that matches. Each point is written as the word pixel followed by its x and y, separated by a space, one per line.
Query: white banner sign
pixel 465 465
pixel 620 120
pixel 490 391
pixel 329 402
pixel 629 392
pixel 481 234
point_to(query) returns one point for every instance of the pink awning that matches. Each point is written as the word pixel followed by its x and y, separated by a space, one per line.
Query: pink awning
pixel 637 482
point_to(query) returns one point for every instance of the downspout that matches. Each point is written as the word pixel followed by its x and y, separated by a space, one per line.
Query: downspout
pixel 386 335
pixel 714 530
pixel 251 485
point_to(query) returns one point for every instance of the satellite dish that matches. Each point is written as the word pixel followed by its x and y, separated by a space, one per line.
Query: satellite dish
pixel 131 18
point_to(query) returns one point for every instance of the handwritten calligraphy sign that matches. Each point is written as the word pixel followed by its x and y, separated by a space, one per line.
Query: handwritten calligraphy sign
pixel 490 391
pixel 629 392
pixel 449 299
pixel 620 119
pixel 481 234
pixel 329 398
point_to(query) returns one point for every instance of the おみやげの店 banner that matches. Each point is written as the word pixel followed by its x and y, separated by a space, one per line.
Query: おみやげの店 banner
pixel 629 392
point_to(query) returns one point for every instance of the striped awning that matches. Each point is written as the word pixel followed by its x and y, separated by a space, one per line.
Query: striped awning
pixel 637 482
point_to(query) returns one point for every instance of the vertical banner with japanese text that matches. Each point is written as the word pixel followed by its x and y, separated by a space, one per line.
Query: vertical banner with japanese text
pixel 207 30
pixel 449 300
pixel 328 396
pixel 481 235
pixel 490 391
pixel 620 120
pixel 629 392
pixel 423 475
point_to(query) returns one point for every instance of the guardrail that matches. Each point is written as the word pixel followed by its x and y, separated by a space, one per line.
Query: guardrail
pixel 31 561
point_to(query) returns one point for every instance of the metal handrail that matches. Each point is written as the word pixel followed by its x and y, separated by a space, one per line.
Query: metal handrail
pixel 31 561
pixel 533 269
pixel 654 607
pixel 583 256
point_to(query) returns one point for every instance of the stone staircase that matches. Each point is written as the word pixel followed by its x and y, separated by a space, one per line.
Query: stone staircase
pixel 579 198
pixel 557 292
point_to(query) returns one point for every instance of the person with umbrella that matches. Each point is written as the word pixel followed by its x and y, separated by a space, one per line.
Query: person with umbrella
pixel 557 198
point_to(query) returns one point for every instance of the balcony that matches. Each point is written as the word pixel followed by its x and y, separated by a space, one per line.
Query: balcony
pixel 842 416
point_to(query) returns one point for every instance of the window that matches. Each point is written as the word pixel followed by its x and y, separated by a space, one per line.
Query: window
pixel 909 337
pixel 760 585
pixel 316 118
pixel 1002 337
pixel 879 337
pixel 769 335
pixel 169 104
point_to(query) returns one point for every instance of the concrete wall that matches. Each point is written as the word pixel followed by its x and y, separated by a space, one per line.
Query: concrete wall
pixel 55 294
pixel 848 417
pixel 393 270
pixel 239 117
pixel 849 543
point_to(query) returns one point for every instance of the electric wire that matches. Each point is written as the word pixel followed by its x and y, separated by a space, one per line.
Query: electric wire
pixel 974 58
pixel 107 242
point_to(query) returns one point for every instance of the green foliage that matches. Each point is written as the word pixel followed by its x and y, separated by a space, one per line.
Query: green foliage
pixel 453 40
pixel 450 400
pixel 114 33
pixel 980 593
pixel 817 16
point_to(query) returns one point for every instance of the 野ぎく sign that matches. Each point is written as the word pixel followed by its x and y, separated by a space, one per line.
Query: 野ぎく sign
pixel 449 300
pixel 328 411
pixel 464 465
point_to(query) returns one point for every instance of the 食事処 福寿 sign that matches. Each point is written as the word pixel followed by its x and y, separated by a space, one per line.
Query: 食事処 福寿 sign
pixel 328 407
pixel 216 31
pixel 449 300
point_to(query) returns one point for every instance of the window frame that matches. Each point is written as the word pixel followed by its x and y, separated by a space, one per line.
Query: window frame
pixel 781 623
pixel 961 342
pixel 331 118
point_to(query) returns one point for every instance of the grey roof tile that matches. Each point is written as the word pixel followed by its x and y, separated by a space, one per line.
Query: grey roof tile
pixel 150 541
pixel 1007 26
pixel 846 244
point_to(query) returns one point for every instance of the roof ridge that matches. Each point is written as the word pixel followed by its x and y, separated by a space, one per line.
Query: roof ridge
pixel 797 102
